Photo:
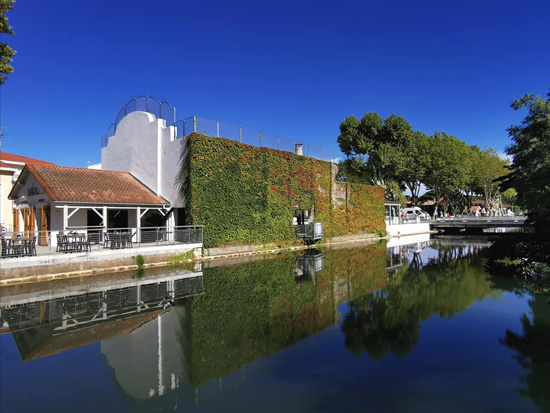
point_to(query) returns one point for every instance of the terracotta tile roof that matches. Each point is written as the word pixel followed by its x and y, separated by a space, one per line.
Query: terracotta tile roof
pixel 5 156
pixel 94 186
pixel 5 165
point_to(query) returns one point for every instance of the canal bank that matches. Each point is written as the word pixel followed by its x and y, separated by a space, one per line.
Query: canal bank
pixel 15 271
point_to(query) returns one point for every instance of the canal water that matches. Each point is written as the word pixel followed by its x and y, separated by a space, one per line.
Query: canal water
pixel 415 325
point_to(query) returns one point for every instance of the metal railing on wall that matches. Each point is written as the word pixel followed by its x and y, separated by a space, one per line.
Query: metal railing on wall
pixel 161 110
pixel 217 129
pixel 88 239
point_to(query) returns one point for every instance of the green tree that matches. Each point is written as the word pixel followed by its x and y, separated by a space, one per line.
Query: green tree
pixel 472 184
pixel 486 171
pixel 530 153
pixel 510 196
pixel 6 52
pixel 375 147
pixel 448 169
pixel 417 162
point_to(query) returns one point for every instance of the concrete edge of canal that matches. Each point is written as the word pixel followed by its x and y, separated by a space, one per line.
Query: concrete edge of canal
pixel 48 268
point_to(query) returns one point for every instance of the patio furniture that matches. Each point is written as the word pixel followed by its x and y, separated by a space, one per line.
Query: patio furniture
pixel 84 243
pixel 62 243
pixel 28 246
pixel 18 247
pixel 7 248
pixel 106 240
pixel 118 240
pixel 73 242
pixel 76 242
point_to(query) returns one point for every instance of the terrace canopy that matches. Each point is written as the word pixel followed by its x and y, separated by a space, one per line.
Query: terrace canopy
pixel 57 198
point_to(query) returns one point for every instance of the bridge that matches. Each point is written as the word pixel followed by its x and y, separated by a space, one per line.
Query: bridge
pixel 477 224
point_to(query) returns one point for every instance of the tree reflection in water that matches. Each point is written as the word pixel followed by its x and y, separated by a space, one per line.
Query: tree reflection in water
pixel 533 352
pixel 508 261
pixel 389 320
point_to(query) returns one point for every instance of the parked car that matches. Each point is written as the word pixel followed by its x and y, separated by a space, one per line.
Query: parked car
pixel 415 212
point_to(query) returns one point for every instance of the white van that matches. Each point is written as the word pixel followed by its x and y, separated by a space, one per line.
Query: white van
pixel 415 212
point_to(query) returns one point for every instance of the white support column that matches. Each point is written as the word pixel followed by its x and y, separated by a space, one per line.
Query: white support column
pixel 171 224
pixel 65 217
pixel 105 218
pixel 138 224
pixel 159 159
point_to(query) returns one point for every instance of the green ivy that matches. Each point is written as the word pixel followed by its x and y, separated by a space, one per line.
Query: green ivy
pixel 247 195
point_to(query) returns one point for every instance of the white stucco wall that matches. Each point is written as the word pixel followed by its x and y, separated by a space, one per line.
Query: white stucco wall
pixel 6 214
pixel 146 148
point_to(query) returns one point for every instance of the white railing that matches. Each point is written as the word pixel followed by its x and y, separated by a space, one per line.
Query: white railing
pixel 88 239
pixel 406 220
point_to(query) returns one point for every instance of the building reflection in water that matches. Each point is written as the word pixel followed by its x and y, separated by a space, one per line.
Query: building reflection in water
pixel 399 248
pixel 309 264
pixel 162 336
pixel 170 335
pixel 51 321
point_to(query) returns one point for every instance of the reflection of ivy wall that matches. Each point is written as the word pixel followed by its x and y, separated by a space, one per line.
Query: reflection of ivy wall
pixel 256 309
pixel 247 195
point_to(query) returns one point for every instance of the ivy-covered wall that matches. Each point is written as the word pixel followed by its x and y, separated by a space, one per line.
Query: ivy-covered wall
pixel 247 195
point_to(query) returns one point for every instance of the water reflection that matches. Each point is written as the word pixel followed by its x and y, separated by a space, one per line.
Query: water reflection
pixel 532 351
pixel 256 309
pixel 64 318
pixel 309 264
pixel 389 320
pixel 179 337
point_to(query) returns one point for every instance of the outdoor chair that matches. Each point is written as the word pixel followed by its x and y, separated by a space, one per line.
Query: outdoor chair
pixel 10 249
pixel 106 240
pixel 29 247
pixel 7 251
pixel 129 243
pixel 84 244
pixel 62 243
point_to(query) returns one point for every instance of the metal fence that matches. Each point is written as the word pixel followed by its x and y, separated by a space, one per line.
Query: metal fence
pixel 161 110
pixel 217 129
pixel 86 240
pixel 398 220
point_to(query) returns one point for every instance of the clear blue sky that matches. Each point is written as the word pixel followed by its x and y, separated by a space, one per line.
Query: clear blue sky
pixel 283 67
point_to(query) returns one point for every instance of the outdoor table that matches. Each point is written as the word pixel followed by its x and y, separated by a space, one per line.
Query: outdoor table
pixel 120 240
pixel 18 247
pixel 75 242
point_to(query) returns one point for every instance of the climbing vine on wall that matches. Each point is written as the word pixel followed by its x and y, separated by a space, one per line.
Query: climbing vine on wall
pixel 247 195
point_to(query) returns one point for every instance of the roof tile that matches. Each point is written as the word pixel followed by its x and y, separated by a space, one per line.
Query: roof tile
pixel 5 156
pixel 81 185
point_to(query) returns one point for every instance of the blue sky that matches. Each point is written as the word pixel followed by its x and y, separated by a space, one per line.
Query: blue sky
pixel 289 68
